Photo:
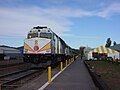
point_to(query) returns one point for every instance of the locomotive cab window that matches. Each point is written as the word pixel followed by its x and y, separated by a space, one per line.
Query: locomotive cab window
pixel 46 35
pixel 32 35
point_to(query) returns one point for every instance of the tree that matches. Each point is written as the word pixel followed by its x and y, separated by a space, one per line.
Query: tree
pixel 114 43
pixel 108 42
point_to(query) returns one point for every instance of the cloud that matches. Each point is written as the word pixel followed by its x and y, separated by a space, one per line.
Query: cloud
pixel 70 12
pixel 18 21
pixel 110 10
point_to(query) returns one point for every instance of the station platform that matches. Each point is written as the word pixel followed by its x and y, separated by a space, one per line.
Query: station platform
pixel 74 77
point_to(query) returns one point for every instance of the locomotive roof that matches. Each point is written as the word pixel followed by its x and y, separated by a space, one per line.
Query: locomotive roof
pixel 39 27
pixel 5 49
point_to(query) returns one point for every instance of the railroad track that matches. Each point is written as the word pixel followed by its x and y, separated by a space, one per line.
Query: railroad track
pixel 11 65
pixel 12 73
pixel 15 68
pixel 17 79
pixel 4 66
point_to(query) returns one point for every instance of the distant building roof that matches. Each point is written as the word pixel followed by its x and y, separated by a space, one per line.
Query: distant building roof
pixel 5 49
pixel 116 47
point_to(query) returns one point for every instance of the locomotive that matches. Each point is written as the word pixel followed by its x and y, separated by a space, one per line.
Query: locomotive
pixel 43 46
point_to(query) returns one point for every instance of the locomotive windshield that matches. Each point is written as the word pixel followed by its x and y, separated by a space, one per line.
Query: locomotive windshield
pixel 32 35
pixel 40 35
pixel 46 35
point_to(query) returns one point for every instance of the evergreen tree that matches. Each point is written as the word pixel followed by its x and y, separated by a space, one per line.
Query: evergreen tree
pixel 108 42
pixel 114 43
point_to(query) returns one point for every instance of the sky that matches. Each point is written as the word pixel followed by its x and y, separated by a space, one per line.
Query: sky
pixel 77 22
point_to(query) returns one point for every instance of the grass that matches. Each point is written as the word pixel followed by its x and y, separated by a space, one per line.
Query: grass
pixel 109 72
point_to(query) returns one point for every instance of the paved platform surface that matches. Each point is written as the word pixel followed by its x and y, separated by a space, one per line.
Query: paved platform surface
pixel 74 77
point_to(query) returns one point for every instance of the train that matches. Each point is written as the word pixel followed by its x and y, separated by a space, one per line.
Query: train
pixel 43 46
pixel 10 53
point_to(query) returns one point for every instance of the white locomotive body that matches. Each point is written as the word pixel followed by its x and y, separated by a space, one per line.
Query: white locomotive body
pixel 42 45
